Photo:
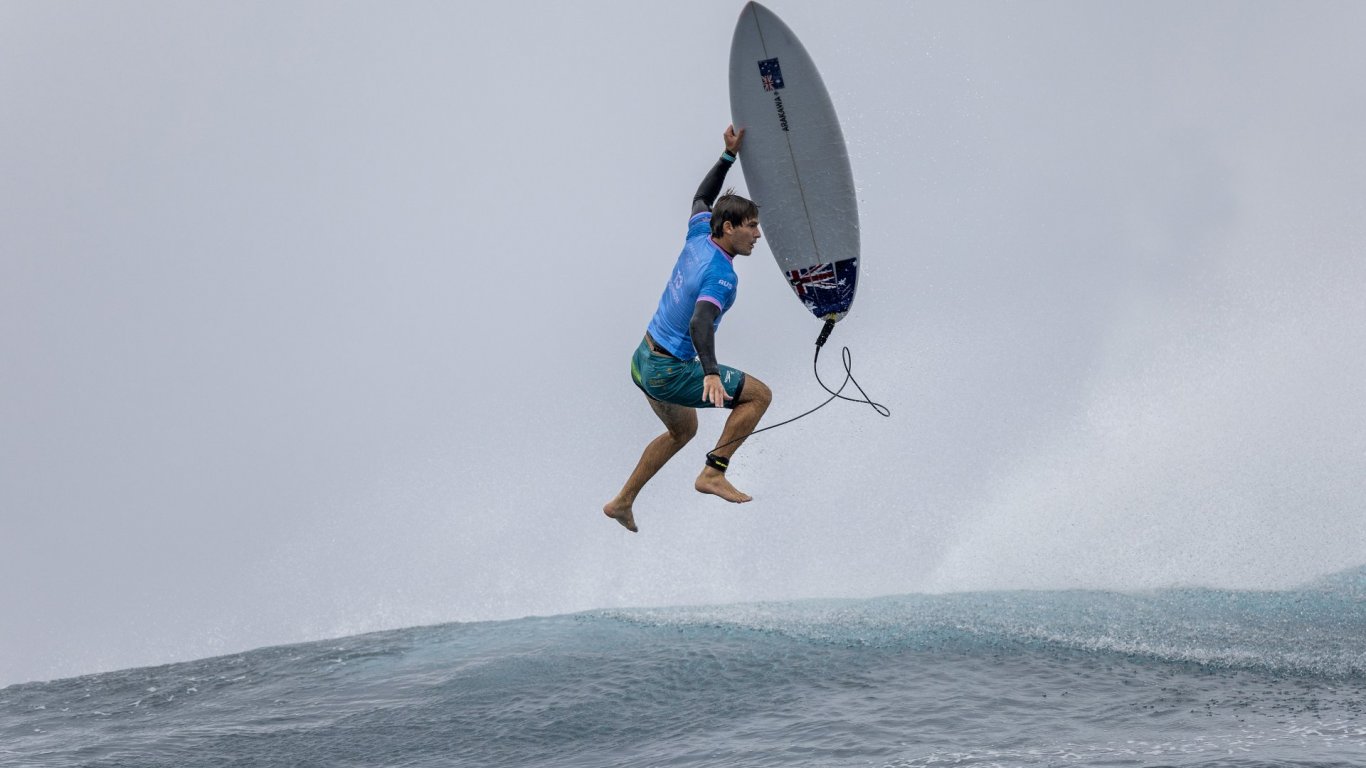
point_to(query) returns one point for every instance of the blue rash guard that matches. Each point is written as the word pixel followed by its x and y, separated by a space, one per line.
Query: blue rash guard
pixel 703 272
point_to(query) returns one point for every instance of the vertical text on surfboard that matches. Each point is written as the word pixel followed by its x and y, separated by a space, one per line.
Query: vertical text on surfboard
pixel 771 73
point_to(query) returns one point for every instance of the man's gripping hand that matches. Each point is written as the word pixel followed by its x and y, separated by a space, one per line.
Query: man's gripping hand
pixel 733 140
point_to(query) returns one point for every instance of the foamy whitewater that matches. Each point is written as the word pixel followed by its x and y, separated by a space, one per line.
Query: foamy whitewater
pixel 1181 677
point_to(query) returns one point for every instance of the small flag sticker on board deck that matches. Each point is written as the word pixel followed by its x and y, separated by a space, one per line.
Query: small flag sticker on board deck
pixel 772 74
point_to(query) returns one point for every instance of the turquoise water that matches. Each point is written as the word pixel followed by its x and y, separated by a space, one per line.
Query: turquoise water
pixel 1191 677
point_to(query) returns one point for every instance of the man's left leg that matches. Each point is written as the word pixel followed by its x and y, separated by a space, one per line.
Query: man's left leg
pixel 681 423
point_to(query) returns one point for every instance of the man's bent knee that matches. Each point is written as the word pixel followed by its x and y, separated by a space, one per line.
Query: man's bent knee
pixel 756 392
pixel 680 422
pixel 682 433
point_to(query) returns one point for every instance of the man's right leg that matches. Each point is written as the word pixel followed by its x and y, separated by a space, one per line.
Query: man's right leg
pixel 681 424
pixel 744 417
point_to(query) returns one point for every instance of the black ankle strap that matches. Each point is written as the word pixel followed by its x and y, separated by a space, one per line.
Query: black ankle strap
pixel 718 462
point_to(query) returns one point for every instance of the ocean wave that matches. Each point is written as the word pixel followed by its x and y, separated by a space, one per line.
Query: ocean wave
pixel 1317 630
pixel 1004 678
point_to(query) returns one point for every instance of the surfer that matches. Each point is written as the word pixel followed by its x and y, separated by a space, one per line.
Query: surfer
pixel 675 364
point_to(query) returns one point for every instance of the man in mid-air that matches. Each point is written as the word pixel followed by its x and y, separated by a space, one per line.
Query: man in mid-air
pixel 675 364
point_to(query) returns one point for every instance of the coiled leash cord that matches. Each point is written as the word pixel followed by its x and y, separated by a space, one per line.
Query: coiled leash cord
pixel 720 462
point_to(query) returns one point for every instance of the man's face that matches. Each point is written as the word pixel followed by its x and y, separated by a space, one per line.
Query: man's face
pixel 743 237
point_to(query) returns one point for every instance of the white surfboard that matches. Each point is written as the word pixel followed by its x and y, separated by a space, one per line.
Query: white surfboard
pixel 795 162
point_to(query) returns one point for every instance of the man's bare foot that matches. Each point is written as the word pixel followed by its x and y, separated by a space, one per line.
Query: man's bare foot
pixel 713 481
pixel 621 512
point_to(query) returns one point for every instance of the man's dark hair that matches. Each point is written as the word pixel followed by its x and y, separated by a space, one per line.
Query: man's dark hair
pixel 733 208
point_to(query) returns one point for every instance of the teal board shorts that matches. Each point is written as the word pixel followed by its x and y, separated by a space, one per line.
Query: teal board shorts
pixel 670 380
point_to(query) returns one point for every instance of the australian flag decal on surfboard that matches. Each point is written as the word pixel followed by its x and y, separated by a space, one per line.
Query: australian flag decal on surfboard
pixel 772 74
pixel 825 289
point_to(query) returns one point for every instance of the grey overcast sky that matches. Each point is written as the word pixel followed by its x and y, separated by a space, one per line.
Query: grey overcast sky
pixel 315 316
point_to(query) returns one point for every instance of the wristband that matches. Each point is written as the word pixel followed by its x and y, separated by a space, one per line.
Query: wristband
pixel 727 156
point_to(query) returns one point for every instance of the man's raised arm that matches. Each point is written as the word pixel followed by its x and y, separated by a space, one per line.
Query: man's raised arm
pixel 711 185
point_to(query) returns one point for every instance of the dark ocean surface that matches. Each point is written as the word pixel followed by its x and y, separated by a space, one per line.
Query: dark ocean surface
pixel 1183 677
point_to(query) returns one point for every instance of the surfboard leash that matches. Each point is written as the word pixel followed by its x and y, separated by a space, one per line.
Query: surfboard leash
pixel 835 394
